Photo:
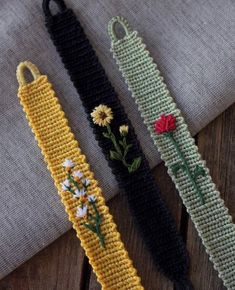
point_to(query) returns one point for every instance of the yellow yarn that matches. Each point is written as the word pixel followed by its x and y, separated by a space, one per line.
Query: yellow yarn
pixel 113 267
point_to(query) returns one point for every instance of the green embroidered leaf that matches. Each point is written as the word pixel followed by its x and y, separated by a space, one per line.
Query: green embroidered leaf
pixel 121 143
pixel 114 155
pixel 176 167
pixel 126 149
pixel 199 171
pixel 106 135
pixel 135 164
pixel 128 146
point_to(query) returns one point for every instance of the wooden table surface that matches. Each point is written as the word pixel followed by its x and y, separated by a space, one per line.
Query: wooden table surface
pixel 63 266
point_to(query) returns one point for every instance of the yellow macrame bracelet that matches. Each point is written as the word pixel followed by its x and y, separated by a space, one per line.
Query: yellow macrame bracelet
pixel 111 263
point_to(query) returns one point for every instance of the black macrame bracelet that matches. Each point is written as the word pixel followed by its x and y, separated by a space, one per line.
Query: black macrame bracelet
pixel 151 215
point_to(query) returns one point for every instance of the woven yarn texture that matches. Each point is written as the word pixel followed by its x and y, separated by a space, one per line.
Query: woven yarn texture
pixel 212 220
pixel 193 42
pixel 151 215
pixel 111 264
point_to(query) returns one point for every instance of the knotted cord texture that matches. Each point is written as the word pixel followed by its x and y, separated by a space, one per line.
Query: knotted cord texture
pixel 211 219
pixel 151 215
pixel 113 267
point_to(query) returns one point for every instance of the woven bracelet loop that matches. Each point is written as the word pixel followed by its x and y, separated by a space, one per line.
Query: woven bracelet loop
pixel 20 72
pixel 112 29
pixel 46 6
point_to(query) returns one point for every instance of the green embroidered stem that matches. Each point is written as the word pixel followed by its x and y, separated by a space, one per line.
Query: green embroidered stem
pixel 96 228
pixel 69 188
pixel 75 183
pixel 113 139
pixel 121 153
pixel 185 167
pixel 93 219
pixel 126 148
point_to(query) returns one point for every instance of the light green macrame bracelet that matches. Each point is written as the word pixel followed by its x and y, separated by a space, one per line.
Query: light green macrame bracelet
pixel 178 150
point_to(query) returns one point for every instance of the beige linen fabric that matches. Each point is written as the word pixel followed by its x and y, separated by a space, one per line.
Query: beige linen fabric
pixel 193 43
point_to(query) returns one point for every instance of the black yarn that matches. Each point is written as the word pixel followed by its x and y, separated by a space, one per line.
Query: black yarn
pixel 151 215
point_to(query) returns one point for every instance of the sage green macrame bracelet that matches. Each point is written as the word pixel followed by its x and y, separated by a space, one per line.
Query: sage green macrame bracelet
pixel 178 150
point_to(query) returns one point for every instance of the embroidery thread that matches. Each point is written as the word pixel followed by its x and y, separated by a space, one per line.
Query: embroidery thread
pixel 87 210
pixel 102 116
pixel 166 125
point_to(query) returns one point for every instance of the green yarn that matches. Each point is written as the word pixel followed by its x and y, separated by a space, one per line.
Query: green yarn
pixel 211 218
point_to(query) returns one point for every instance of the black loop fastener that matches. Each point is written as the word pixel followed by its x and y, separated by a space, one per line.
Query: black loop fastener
pixel 46 6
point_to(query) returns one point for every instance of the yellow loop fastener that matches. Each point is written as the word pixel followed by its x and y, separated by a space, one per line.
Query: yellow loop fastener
pixel 20 72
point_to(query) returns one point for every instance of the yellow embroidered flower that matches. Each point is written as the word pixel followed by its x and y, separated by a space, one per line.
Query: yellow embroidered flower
pixel 123 130
pixel 102 115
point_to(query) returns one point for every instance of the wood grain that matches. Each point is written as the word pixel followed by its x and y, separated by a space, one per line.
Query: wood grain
pixel 216 145
pixel 63 266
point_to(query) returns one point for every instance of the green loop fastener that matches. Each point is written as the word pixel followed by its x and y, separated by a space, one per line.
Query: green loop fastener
pixel 112 27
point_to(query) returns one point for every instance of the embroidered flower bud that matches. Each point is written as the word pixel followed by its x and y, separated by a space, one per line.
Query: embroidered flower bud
pixel 77 175
pixel 68 165
pixel 91 198
pixel 65 185
pixel 83 199
pixel 86 182
pixel 123 130
pixel 79 193
pixel 81 211
pixel 165 124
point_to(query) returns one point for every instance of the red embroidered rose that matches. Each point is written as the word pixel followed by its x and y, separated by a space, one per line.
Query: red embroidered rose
pixel 165 124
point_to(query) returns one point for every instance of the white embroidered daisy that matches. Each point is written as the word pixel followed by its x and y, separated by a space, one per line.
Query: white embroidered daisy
pixel 68 163
pixel 79 193
pixel 81 211
pixel 92 198
pixel 77 174
pixel 65 185
pixel 86 182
